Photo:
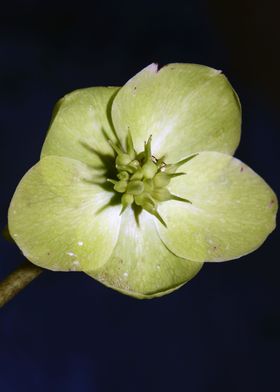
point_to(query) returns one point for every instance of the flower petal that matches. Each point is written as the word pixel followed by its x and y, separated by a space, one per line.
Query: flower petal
pixel 60 219
pixel 81 126
pixel 141 266
pixel 187 108
pixel 232 212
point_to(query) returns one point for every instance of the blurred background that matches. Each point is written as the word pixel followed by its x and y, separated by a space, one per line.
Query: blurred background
pixel 66 332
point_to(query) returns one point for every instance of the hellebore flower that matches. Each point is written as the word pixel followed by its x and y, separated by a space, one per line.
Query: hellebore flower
pixel 137 185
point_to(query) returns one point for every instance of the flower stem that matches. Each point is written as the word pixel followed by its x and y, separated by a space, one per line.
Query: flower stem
pixel 17 281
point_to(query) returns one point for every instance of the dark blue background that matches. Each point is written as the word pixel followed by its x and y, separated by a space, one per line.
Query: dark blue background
pixel 66 332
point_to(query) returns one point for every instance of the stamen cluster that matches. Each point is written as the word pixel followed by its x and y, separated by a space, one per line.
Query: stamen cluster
pixel 142 178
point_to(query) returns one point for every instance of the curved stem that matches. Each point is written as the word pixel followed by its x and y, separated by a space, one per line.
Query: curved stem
pixel 18 280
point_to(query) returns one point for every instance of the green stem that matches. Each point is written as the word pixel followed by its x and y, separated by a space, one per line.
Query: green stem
pixel 17 281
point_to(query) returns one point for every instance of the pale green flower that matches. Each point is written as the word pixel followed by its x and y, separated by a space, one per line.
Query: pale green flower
pixel 137 187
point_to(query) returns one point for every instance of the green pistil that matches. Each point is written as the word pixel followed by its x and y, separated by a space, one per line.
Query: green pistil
pixel 135 187
pixel 123 175
pixel 142 178
pixel 121 186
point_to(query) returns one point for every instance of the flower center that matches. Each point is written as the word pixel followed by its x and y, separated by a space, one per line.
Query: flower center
pixel 144 179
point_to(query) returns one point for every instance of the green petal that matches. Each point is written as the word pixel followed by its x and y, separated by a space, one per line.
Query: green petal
pixel 187 108
pixel 141 266
pixel 80 127
pixel 59 219
pixel 232 212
